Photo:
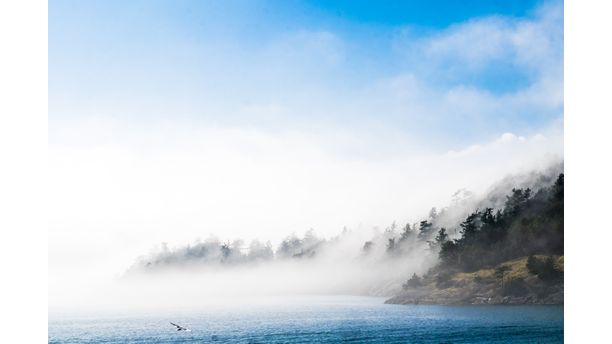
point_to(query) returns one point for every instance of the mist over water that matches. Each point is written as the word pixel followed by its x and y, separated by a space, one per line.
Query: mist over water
pixel 362 261
pixel 340 266
pixel 317 319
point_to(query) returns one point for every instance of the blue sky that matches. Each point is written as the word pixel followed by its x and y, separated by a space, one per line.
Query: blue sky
pixel 346 64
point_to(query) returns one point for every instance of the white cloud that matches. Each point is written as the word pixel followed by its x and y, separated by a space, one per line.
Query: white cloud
pixel 532 43
pixel 452 74
pixel 437 94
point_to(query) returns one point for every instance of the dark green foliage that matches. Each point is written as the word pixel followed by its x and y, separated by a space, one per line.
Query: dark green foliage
pixel 549 271
pixel 558 188
pixel 439 240
pixel 449 253
pixel 515 287
pixel 444 279
pixel 414 282
pixel 517 201
pixel 533 265
pixel 441 237
pixel 544 269
pixel 528 224
pixel 425 229
pixel 500 273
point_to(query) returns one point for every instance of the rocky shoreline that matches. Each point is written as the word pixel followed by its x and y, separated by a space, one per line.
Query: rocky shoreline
pixel 554 299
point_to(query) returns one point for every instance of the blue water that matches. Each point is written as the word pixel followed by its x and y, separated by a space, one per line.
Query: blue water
pixel 337 319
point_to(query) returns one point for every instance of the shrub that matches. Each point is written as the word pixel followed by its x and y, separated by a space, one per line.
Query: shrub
pixel 414 282
pixel 534 265
pixel 548 271
pixel 515 287
pixel 444 280
pixel 545 270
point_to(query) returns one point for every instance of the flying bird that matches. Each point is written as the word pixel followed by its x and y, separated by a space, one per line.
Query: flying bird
pixel 179 327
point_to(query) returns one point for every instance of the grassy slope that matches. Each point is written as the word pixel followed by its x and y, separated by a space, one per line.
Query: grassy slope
pixel 483 287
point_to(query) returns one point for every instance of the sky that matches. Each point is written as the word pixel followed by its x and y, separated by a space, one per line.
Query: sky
pixel 175 120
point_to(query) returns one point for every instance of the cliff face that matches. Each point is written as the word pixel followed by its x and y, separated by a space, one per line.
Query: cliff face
pixel 508 283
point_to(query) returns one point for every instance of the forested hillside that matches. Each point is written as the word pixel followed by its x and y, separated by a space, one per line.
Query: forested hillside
pixel 530 223
pixel 494 246
pixel 508 255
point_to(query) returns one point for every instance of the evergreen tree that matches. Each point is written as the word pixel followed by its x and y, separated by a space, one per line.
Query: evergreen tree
pixel 441 237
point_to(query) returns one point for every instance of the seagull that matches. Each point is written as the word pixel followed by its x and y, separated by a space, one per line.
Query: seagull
pixel 179 327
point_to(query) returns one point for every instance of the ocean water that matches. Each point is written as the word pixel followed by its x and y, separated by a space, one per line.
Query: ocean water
pixel 319 320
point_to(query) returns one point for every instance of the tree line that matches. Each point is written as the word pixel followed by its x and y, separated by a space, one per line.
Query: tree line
pixel 529 224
